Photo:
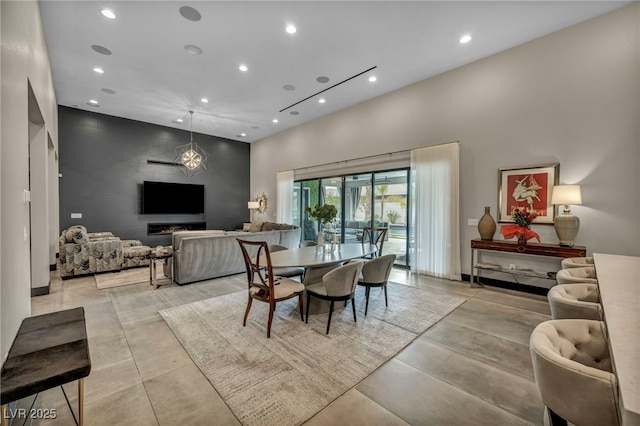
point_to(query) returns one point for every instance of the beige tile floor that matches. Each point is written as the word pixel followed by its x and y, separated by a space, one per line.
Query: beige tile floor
pixel 472 367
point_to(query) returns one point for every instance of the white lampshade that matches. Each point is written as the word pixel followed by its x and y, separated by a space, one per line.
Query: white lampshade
pixel 253 205
pixel 566 194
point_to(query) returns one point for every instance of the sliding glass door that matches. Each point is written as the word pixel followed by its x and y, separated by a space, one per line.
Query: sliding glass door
pixel 365 199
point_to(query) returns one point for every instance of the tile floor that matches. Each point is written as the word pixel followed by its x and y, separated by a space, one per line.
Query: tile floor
pixel 473 367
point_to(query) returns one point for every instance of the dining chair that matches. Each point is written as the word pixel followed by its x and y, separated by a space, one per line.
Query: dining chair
pixel 307 243
pixel 290 272
pixel 375 273
pixel 263 284
pixel 374 235
pixel 337 285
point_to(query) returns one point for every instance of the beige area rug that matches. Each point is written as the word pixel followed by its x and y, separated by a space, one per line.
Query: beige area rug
pixel 128 277
pixel 288 378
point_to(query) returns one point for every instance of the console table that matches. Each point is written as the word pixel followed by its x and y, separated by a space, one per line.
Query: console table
pixel 508 246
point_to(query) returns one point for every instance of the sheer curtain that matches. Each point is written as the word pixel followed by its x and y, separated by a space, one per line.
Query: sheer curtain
pixel 435 230
pixel 284 197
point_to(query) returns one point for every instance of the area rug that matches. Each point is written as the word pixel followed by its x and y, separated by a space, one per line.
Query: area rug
pixel 127 277
pixel 288 378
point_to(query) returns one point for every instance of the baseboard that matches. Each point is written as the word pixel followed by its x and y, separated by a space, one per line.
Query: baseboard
pixel 542 291
pixel 41 291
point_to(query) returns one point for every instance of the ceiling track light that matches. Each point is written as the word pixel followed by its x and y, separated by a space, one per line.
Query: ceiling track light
pixel 329 88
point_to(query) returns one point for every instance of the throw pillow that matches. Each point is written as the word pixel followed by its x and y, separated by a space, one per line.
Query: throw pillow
pixel 256 226
pixel 77 235
pixel 270 226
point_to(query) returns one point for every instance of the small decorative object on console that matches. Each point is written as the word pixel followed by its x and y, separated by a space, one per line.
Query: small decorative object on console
pixel 523 218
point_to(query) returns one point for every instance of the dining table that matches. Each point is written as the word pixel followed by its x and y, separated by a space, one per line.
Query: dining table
pixel 317 261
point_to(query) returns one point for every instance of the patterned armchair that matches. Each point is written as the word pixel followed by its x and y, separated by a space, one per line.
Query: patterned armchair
pixel 87 253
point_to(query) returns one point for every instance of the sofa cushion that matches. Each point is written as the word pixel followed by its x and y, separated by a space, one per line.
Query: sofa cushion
pixel 285 226
pixel 77 235
pixel 270 226
pixel 256 226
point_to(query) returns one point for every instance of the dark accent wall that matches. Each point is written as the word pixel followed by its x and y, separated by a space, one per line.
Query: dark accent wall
pixel 103 162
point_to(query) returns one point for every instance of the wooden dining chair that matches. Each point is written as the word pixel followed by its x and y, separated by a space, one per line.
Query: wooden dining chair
pixel 337 285
pixel 374 235
pixel 290 272
pixel 263 284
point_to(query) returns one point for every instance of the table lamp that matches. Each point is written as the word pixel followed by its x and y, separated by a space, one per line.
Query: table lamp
pixel 252 205
pixel 566 224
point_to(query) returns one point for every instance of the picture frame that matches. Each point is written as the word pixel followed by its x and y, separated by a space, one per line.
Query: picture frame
pixel 530 188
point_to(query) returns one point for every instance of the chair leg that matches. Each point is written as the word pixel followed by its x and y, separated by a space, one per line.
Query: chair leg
pixel 300 306
pixel 366 305
pixel 329 321
pixel 555 419
pixel 385 296
pixel 272 308
pixel 307 314
pixel 353 305
pixel 246 313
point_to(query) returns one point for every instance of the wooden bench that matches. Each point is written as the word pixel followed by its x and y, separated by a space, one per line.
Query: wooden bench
pixel 48 351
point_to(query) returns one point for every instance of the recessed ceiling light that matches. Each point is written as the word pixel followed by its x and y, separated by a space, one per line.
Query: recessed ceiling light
pixel 205 100
pixel 109 91
pixel 465 39
pixel 93 101
pixel 101 49
pixel 294 113
pixel 321 100
pixel 289 87
pixel 179 120
pixel 291 29
pixel 275 120
pixel 243 134
pixel 190 13
pixel 255 127
pixel 108 13
pixel 243 68
pixel 372 78
pixel 322 79
pixel 193 49
pixel 99 70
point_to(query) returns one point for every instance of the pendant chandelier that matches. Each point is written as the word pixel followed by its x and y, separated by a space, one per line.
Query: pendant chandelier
pixel 191 156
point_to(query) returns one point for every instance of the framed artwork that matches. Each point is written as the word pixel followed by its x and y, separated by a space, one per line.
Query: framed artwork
pixel 527 188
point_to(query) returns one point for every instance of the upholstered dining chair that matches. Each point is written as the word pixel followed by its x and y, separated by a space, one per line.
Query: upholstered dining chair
pixel 374 235
pixel 290 272
pixel 573 372
pixel 580 301
pixel 337 285
pixel 576 262
pixel 375 273
pixel 586 274
pixel 307 243
pixel 263 284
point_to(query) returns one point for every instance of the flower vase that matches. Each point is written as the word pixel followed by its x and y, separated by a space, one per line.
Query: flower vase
pixel 486 225
pixel 522 240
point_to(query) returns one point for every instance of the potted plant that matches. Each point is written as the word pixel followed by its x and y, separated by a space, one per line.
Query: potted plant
pixel 325 214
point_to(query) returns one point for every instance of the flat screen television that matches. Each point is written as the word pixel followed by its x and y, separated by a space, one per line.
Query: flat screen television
pixel 172 198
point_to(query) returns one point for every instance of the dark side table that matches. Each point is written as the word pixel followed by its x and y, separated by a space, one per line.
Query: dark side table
pixel 48 351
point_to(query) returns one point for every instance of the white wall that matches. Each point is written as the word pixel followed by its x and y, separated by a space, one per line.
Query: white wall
pixel 571 97
pixel 24 60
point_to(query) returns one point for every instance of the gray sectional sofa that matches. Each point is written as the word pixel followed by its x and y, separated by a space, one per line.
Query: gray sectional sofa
pixel 202 255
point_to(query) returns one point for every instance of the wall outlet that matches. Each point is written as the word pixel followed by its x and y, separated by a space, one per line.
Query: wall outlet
pixel 512 266
pixel 76 215
pixel 472 222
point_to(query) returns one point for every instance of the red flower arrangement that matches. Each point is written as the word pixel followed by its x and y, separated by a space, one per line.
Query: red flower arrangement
pixel 523 219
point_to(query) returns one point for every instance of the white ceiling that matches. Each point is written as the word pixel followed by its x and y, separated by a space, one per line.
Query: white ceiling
pixel 156 81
